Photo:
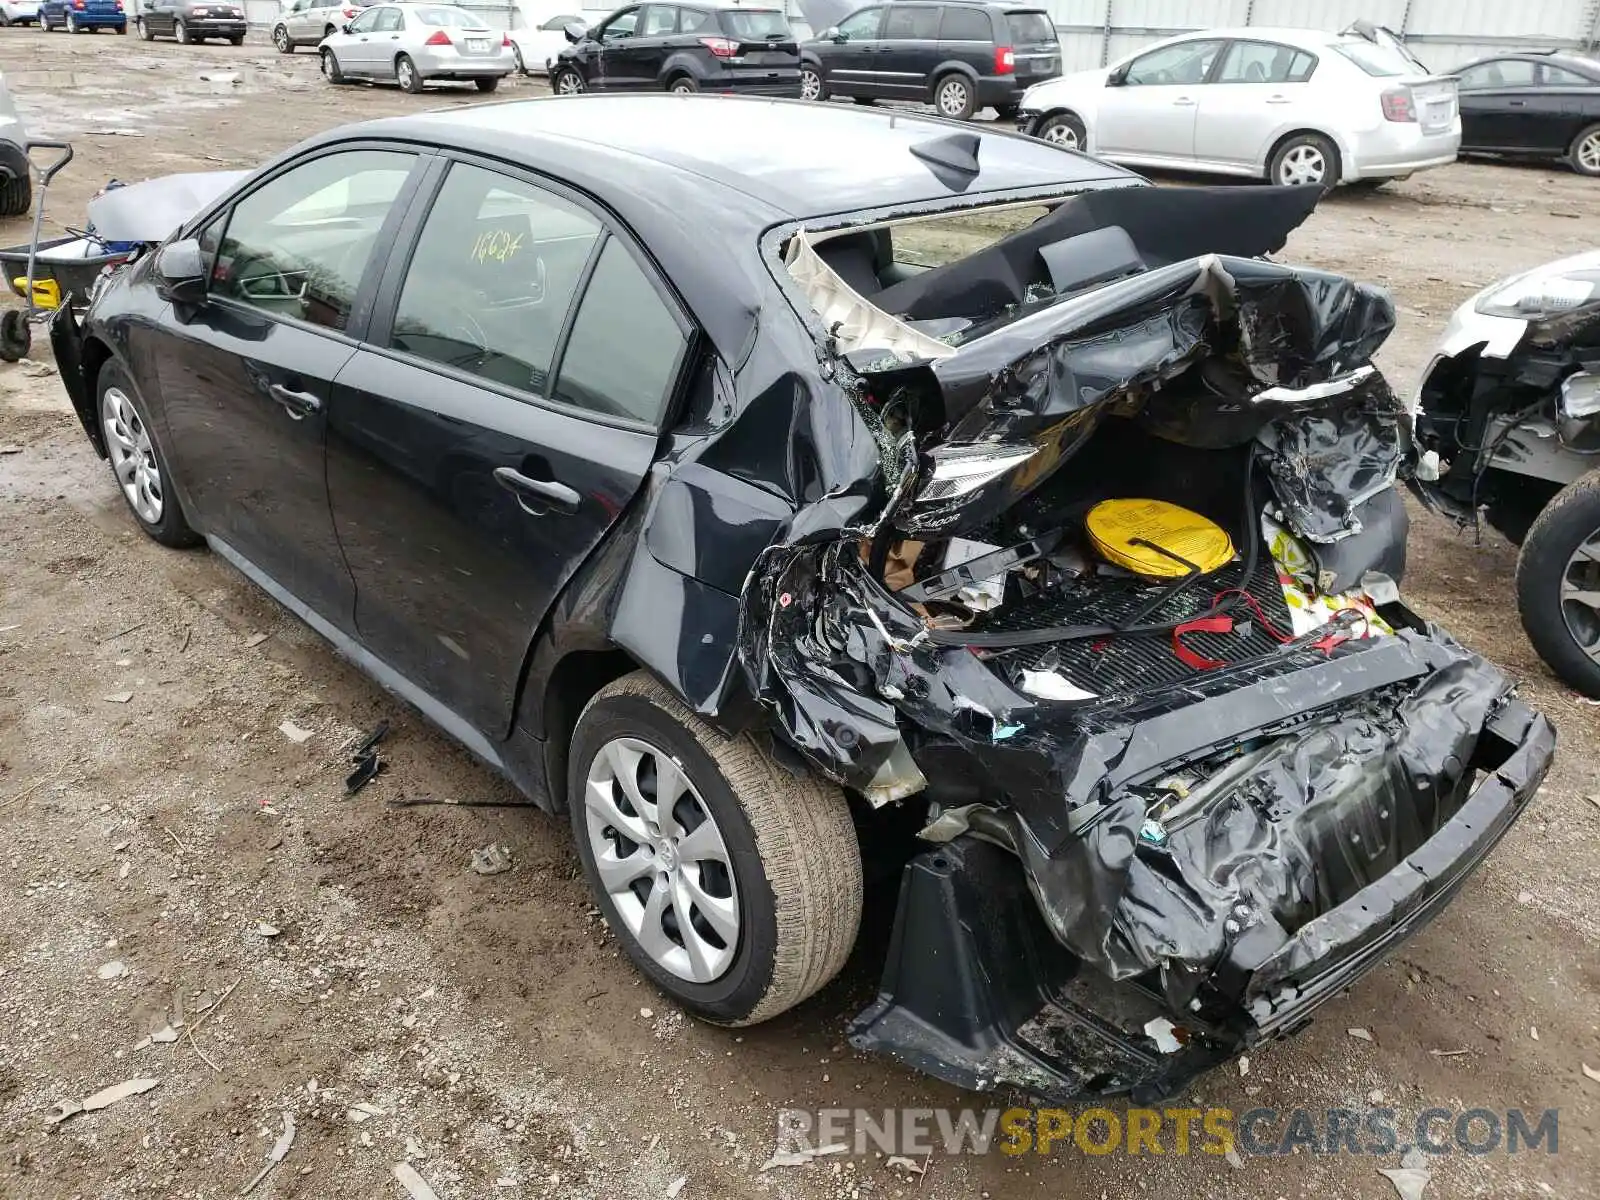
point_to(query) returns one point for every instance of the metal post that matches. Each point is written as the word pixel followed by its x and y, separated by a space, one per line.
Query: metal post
pixel 1105 35
pixel 1250 12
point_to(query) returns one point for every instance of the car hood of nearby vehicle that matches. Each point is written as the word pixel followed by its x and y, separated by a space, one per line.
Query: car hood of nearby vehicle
pixel 150 211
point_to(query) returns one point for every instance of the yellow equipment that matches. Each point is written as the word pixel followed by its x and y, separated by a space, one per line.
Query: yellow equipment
pixel 1133 534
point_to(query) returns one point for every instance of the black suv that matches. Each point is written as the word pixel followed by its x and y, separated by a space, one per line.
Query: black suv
pixel 957 57
pixel 706 46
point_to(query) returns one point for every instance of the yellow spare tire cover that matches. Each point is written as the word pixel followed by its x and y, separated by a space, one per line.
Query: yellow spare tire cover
pixel 1118 529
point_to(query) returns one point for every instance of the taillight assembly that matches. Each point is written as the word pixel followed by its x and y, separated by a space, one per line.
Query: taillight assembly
pixel 1398 105
pixel 349 14
pixel 720 46
pixel 1005 60
pixel 78 4
pixel 505 41
pixel 437 38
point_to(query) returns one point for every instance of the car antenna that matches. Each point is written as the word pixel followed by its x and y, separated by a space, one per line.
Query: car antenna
pixel 955 152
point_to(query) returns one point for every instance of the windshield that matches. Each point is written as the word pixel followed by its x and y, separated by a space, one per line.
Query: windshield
pixel 755 24
pixel 452 18
pixel 1376 60
pixel 1030 28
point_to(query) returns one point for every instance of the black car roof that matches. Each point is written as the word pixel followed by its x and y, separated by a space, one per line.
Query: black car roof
pixel 798 159
pixel 1577 62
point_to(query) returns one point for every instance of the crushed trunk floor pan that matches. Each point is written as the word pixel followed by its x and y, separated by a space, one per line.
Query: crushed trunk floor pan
pixel 1141 660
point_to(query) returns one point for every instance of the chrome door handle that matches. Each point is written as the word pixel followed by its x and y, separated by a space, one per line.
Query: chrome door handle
pixel 537 496
pixel 1183 102
pixel 299 405
pixel 1279 100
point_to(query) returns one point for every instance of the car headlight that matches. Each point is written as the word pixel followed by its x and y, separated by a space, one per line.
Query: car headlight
pixel 1546 291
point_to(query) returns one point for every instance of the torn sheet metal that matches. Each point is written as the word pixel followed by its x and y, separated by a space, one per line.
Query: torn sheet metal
pixel 846 314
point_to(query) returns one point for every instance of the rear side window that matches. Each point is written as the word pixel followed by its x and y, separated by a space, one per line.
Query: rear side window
pixel 389 21
pixel 912 23
pixel 754 24
pixel 659 21
pixel 625 347
pixel 1030 28
pixel 1265 62
pixel 1561 77
pixel 493 277
pixel 1382 61
pixel 965 25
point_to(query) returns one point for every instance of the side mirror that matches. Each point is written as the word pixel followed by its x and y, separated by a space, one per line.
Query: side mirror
pixel 181 272
pixel 575 31
pixel 832 34
pixel 345 28
pixel 1117 78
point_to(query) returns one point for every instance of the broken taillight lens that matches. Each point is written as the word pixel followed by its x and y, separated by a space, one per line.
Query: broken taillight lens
pixel 1398 105
pixel 720 46
pixel 1005 60
pixel 437 38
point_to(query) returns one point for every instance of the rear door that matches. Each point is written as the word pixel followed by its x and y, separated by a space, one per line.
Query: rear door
pixel 1150 114
pixel 501 415
pixel 907 51
pixel 1259 89
pixel 1494 99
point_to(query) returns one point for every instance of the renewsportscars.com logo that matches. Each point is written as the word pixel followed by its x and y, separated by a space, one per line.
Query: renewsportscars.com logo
pixel 1177 1131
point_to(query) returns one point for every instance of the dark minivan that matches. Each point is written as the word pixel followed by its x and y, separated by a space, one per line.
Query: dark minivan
pixel 704 46
pixel 957 57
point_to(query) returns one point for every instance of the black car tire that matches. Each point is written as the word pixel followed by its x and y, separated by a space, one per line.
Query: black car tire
pixel 811 80
pixel 1584 153
pixel 517 64
pixel 330 67
pixel 1063 129
pixel 1006 112
pixel 145 32
pixel 72 23
pixel 567 82
pixel 864 101
pixel 1566 523
pixel 488 84
pixel 236 40
pixel 407 75
pixel 5 21
pixel 1310 145
pixel 181 32
pixel 173 529
pixel 282 40
pixel 683 85
pixel 793 855
pixel 16 196
pixel 954 96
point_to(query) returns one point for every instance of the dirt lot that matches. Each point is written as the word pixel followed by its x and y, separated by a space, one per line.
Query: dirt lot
pixel 509 1047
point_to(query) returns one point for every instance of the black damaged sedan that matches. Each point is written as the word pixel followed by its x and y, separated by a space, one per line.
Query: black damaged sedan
pixel 778 488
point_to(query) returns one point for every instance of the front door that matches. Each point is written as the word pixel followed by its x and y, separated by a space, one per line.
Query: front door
pixel 640 59
pixel 612 65
pixel 365 49
pixel 1151 112
pixel 1494 98
pixel 850 62
pixel 246 377
pixel 491 431
pixel 1259 90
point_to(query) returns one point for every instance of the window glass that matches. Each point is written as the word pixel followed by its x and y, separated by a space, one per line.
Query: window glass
pixel 492 278
pixel 911 22
pixel 863 24
pixel 449 18
pixel 559 23
pixel 659 21
pixel 694 20
pixel 756 24
pixel 1185 63
pixel 1264 62
pixel 1382 61
pixel 298 246
pixel 623 353
pixel 965 25
pixel 1504 72
pixel 389 20
pixel 366 22
pixel 1031 28
pixel 620 26
pixel 1563 78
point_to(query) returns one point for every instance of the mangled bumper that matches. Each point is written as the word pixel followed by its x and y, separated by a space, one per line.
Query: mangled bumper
pixel 979 990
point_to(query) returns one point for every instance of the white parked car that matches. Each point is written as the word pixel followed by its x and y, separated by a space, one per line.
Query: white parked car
pixel 19 12
pixel 535 49
pixel 1296 106
pixel 307 22
pixel 413 44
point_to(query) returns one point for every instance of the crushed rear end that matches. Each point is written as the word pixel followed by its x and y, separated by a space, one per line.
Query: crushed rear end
pixel 1169 809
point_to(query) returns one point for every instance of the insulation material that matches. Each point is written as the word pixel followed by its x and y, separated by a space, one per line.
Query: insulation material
pixel 1309 609
pixel 857 324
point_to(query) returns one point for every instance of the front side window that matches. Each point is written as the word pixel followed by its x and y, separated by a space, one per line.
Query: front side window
pixel 493 276
pixel 909 22
pixel 1504 72
pixel 1265 62
pixel 299 245
pixel 1184 63
pixel 620 26
pixel 659 21
pixel 625 347
pixel 862 25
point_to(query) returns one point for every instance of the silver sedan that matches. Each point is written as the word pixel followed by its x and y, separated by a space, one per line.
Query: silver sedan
pixel 412 44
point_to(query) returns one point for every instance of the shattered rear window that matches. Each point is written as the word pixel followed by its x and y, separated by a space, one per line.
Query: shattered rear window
pixel 945 239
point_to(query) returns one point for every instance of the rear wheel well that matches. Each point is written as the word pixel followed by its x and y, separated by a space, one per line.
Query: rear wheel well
pixel 573 683
pixel 1272 151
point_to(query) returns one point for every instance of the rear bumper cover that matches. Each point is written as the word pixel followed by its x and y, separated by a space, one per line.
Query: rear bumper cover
pixel 979 990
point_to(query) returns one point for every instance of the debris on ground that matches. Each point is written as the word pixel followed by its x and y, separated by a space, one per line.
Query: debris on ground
pixel 368 764
pixel 414 1184
pixel 104 1098
pixel 675 1187
pixel 279 1151
pixel 493 859
pixel 899 1162
pixel 1235 1159
pixel 294 733
pixel 1364 1034
pixel 11 449
pixel 1410 1177
pixel 799 1158
pixel 255 639
pixel 1591 1073
pixel 115 969
pixel 119 697
pixel 1448 1053
pixel 363 1111
pixel 268 931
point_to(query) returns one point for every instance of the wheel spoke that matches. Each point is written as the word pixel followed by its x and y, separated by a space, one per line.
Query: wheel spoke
pixel 603 805
pixel 616 873
pixel 652 937
pixel 704 844
pixel 720 912
pixel 670 787
pixel 1588 597
pixel 624 763
pixel 125 468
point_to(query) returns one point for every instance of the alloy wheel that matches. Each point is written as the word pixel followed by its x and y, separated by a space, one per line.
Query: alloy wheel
pixel 1303 165
pixel 810 85
pixel 1580 596
pixel 953 98
pixel 569 84
pixel 1059 133
pixel 662 859
pixel 516 60
pixel 280 39
pixel 405 73
pixel 133 457
pixel 1588 155
pixel 72 23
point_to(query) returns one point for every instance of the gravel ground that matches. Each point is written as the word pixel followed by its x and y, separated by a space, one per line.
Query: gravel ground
pixel 174 857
